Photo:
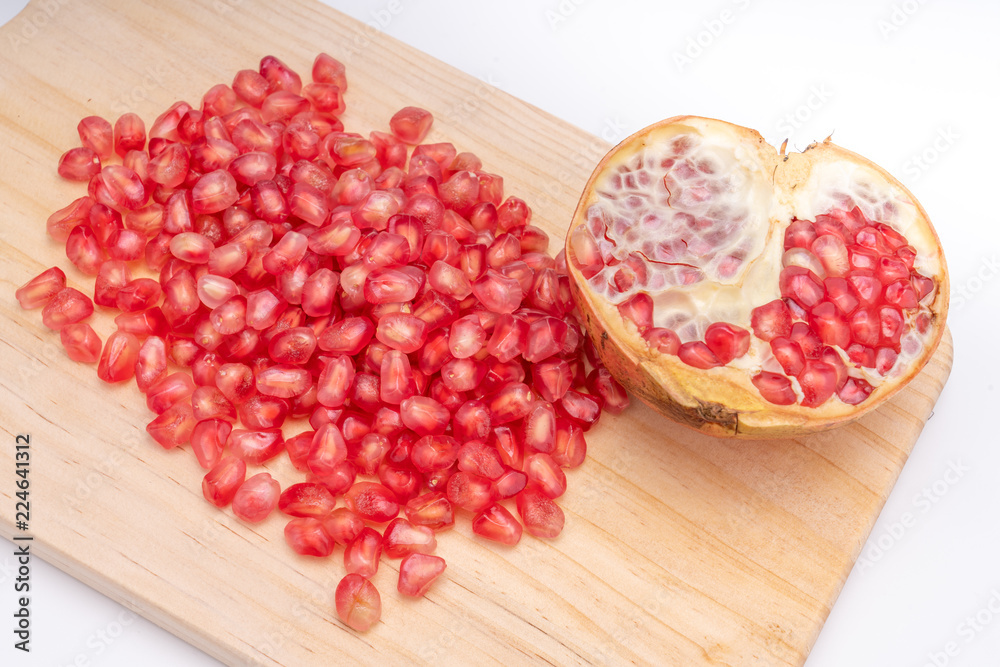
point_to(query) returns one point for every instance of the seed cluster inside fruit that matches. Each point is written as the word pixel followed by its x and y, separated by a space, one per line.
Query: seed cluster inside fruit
pixel 272 268
pixel 679 238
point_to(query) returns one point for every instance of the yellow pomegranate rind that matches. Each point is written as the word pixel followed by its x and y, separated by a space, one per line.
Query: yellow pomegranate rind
pixel 723 401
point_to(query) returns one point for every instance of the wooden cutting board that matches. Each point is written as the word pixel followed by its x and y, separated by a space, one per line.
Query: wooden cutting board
pixel 679 549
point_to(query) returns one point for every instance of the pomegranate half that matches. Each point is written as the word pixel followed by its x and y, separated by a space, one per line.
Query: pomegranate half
pixel 746 292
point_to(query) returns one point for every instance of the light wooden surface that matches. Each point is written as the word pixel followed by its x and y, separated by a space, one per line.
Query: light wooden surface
pixel 679 549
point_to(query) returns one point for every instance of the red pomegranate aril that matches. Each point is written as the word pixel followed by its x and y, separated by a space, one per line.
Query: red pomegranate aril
pixel 165 393
pixel 308 537
pixel 84 251
pixel 39 290
pixel 800 234
pixel 466 337
pixel 343 525
pixel 818 381
pixel 854 391
pixel 552 378
pixel 402 538
pixel 111 277
pixel 208 439
pixel 255 447
pixel 119 187
pixel 221 482
pixel 81 342
pixel 570 447
pixel 396 379
pixel 264 307
pixel 372 502
pixel 256 498
pixel 513 401
pixel 358 603
pixel 117 362
pixel 362 554
pixel 583 409
pixel 891 269
pixel 540 515
pixel 802 285
pixel 434 452
pixel 540 427
pixel 97 135
pixel 601 383
pixel 283 381
pixel 775 388
pixel 545 474
pixel 890 326
pixel 191 247
pixel 174 427
pixel 411 124
pixel 885 359
pixel 335 381
pixel 401 331
pixel 772 320
pixel 129 134
pixel 498 524
pixel 79 164
pixel 424 415
pixel 901 294
pixel 831 326
pixel 546 337
pixel 417 572
pixel 832 253
pixel 263 412
pixel 497 292
pixel 698 354
pixel 307 499
pixel 470 491
pixel 431 509
pixel 923 286
pixel 292 346
pixel 726 341
pixel 138 294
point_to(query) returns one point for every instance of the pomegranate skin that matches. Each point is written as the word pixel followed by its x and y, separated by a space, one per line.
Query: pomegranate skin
pixel 723 401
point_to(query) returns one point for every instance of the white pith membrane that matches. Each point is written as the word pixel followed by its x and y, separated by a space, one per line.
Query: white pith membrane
pixel 694 215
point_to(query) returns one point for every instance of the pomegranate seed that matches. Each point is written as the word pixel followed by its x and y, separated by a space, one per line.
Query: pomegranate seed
pixel 129 134
pixel 470 491
pixel 174 427
pixel 255 447
pixel 417 572
pixel 81 342
pixel 402 538
pixel 84 251
pixel 372 502
pixel 97 135
pixel 343 525
pixel 854 391
pixel 570 447
pixel 401 331
pixel 208 438
pixel 818 381
pixel 498 524
pixel 117 363
pixel 306 500
pixel 362 554
pixel 545 474
pixel 699 355
pixel 540 515
pixel 411 124
pixel 221 482
pixel 79 164
pixel 639 311
pixel 431 509
pixel 434 452
pixel 614 399
pixel 775 388
pixel 168 391
pixel 256 498
pixel 39 290
pixel 358 602
pixel 307 536
pixel 726 341
pixel 831 326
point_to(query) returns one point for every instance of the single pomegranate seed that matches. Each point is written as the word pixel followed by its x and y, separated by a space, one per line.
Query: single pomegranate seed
pixel 363 553
pixel 775 388
pixel 372 502
pixel 424 415
pixel 818 381
pixel 214 192
pixel 434 452
pixel 854 391
pixel 401 538
pixel 117 363
pixel 411 124
pixel 470 491
pixel 221 482
pixel 601 383
pixel 545 474
pixel 83 249
pixel 255 447
pixel 208 439
pixel 401 331
pixel 39 290
pixel 498 524
pixel 431 509
pixel 801 285
pixel 570 447
pixel 512 402
pixel 699 355
pixel 283 380
pixel 417 572
pixel 306 500
pixel 81 342
pixel 358 603
pixel 97 135
pixel 540 515
pixel 343 525
pixel 639 311
pixel 497 292
pixel 174 427
pixel 890 326
pixel 885 359
pixel 256 498
pixel 831 326
pixel 308 536
pixel 726 341
pixel 79 164
pixel 168 391
pixel 129 134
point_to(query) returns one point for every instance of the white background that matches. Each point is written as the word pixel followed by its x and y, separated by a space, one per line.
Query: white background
pixel 911 85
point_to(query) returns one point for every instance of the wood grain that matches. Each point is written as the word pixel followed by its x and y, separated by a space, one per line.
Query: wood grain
pixel 680 549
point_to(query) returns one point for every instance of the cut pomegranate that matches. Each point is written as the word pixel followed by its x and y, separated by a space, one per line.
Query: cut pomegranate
pixel 670 286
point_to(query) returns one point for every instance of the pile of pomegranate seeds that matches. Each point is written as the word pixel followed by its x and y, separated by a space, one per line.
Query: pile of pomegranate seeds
pixel 669 235
pixel 271 268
